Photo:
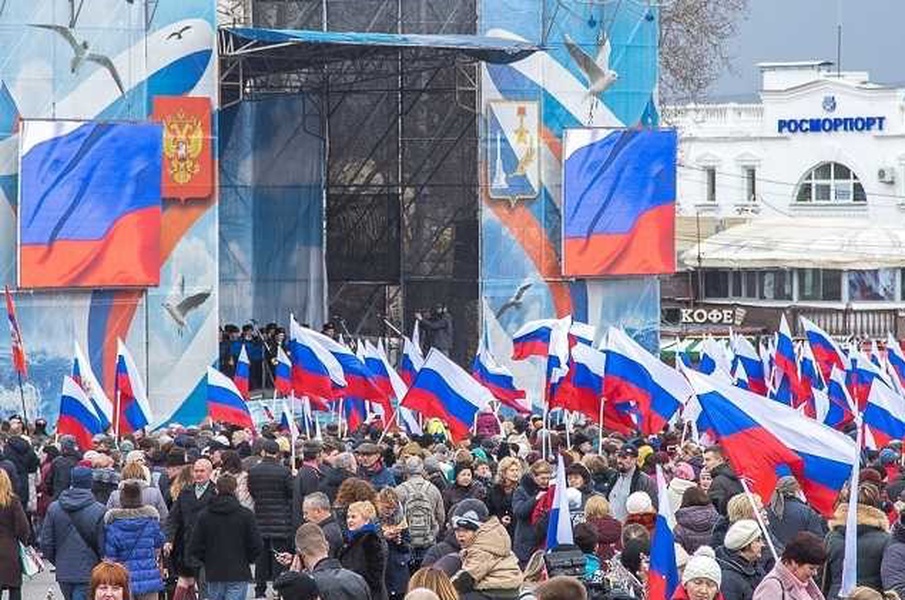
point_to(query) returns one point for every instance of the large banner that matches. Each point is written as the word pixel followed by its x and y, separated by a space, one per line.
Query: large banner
pixel 108 60
pixel 598 70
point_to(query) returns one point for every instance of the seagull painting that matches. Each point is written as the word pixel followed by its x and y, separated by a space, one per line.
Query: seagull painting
pixel 178 34
pixel 81 54
pixel 515 301
pixel 179 311
pixel 596 70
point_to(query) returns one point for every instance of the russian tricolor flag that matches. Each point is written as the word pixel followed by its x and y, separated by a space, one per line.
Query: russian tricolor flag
pixel 83 375
pixel 243 372
pixel 282 373
pixel 895 360
pixel 747 357
pixel 134 411
pixel 532 339
pixel 634 376
pixel 411 360
pixel 497 378
pixel 559 524
pixel 884 414
pixel 77 415
pixel 225 403
pixel 20 364
pixel 841 410
pixel 315 371
pixel 663 577
pixel 445 391
pixel 581 333
pixel 764 440
pixel 826 351
pixel 379 371
pixel 785 360
pixel 861 377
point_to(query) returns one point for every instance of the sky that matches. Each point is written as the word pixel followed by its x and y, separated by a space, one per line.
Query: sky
pixel 789 30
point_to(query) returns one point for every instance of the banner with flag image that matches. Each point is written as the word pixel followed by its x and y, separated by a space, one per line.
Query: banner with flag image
pixel 243 373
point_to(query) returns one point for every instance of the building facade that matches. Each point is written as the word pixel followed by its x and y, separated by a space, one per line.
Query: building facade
pixel 794 204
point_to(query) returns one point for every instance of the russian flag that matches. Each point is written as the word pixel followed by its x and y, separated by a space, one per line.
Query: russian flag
pixel 315 371
pixel 445 391
pixel 582 390
pixel 634 376
pixel 411 361
pixel 581 333
pixel 895 360
pixel 354 411
pixel 243 372
pixel 497 379
pixel 811 382
pixel 841 410
pixel 619 194
pixel 826 351
pixel 379 372
pixel 765 440
pixel 747 357
pixel 77 415
pixel 532 339
pixel 559 525
pixel 225 403
pixel 785 360
pixel 741 377
pixel 884 414
pixel 663 577
pixel 287 420
pixel 90 204
pixel 84 377
pixel 282 373
pixel 134 411
pixel 861 377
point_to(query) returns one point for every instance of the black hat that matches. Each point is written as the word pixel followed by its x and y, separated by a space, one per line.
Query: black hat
pixel 296 586
pixel 176 458
pixel 628 450
pixel 469 514
pixel 270 447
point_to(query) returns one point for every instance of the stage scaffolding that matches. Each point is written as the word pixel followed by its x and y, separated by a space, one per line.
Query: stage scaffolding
pixel 401 193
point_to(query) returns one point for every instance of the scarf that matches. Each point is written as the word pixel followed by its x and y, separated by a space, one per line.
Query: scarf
pixel 351 536
pixel 785 487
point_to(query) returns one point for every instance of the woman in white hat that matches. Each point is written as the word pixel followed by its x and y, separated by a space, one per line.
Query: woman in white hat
pixel 702 577
pixel 739 560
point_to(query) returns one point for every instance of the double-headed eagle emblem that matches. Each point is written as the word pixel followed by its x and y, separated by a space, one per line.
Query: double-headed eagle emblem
pixel 183 141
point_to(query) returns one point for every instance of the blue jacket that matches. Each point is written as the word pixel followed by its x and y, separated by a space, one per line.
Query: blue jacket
pixel 379 479
pixel 133 538
pixel 61 542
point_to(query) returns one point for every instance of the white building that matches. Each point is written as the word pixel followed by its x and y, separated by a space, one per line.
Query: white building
pixel 796 202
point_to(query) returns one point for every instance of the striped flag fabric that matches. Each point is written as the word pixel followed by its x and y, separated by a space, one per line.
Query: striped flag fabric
pixel 663 577
pixel 850 558
pixel 225 403
pixel 77 414
pixel 559 526
pixel 20 364
pixel 83 375
pixel 134 411
pixel 243 372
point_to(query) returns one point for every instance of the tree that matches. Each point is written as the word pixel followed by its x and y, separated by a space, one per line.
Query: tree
pixel 694 37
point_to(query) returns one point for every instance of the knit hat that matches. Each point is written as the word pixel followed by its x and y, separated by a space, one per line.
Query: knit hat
pixel 681 556
pixel 67 442
pixel 469 514
pixel 703 565
pixel 574 498
pixel 638 502
pixel 296 586
pixel 130 495
pixel 741 533
pixel 80 477
pixel 684 471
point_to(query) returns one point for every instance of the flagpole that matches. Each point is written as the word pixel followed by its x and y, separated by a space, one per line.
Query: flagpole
pixel 116 416
pixel 388 425
pixel 760 519
pixel 22 397
pixel 568 419
pixel 600 435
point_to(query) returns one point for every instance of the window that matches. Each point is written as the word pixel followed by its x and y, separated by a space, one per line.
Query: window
pixel 820 284
pixel 830 183
pixel 716 284
pixel 872 286
pixel 750 184
pixel 711 183
pixel 775 285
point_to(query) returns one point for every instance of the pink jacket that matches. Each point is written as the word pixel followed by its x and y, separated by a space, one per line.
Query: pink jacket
pixel 780 584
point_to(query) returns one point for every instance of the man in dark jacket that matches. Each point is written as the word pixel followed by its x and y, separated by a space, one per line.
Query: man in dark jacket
pixel 182 518
pixel 371 467
pixel 271 486
pixel 439 329
pixel 19 451
pixel 892 569
pixel 628 480
pixel 725 483
pixel 343 467
pixel 61 467
pixel 308 480
pixel 225 542
pixel 333 581
pixel 72 537
pixel 316 509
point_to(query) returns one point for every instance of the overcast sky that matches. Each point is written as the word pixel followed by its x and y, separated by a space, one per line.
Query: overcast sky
pixel 787 30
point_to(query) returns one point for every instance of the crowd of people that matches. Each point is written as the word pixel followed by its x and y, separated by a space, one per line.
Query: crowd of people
pixel 208 512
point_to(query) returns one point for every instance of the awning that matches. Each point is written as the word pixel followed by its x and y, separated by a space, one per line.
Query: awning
pixel 311 48
pixel 802 243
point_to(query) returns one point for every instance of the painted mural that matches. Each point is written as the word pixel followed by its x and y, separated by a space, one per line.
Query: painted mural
pixel 110 60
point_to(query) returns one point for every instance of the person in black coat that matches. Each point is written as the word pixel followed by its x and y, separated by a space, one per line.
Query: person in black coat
pixel 18 450
pixel 365 552
pixel 308 480
pixel 184 515
pixel 533 484
pixel 271 486
pixel 788 514
pixel 333 581
pixel 61 467
pixel 343 467
pixel 316 509
pixel 725 482
pixel 225 540
pixel 739 560
pixel 448 545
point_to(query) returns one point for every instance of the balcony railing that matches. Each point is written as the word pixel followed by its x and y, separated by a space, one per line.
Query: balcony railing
pixel 872 323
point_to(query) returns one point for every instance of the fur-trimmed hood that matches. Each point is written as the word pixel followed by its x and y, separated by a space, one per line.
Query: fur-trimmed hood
pixel 867 515
pixel 145 512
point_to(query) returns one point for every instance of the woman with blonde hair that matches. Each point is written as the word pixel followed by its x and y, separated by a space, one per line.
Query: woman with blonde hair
pixel 395 531
pixel 136 473
pixel 13 530
pixel 499 496
pixel 435 580
pixel 609 529
pixel 365 552
pixel 525 497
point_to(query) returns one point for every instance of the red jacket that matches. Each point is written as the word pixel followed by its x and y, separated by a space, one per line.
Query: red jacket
pixel 681 594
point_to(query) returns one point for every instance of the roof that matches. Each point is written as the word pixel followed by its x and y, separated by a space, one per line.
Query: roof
pixel 306 48
pixel 795 64
pixel 802 243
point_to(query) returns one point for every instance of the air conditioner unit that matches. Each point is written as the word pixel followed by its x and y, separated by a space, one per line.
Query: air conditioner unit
pixel 886 174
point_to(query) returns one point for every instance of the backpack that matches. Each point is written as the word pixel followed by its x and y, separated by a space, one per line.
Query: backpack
pixel 419 514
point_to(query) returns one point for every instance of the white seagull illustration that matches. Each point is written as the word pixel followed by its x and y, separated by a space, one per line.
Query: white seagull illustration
pixel 81 54
pixel 179 312
pixel 596 70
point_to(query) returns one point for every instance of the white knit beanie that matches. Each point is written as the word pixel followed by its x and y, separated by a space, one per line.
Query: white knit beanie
pixel 742 533
pixel 703 565
pixel 638 502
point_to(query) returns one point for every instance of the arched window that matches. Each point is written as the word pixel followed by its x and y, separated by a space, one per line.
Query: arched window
pixel 830 183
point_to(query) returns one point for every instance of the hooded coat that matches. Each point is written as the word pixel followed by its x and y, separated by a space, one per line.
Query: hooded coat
pixel 226 540
pixel 61 543
pixel 740 577
pixel 133 538
pixel 365 553
pixel 725 485
pixel 873 538
pixel 796 516
pixel 20 452
pixel 694 526
pixel 488 563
